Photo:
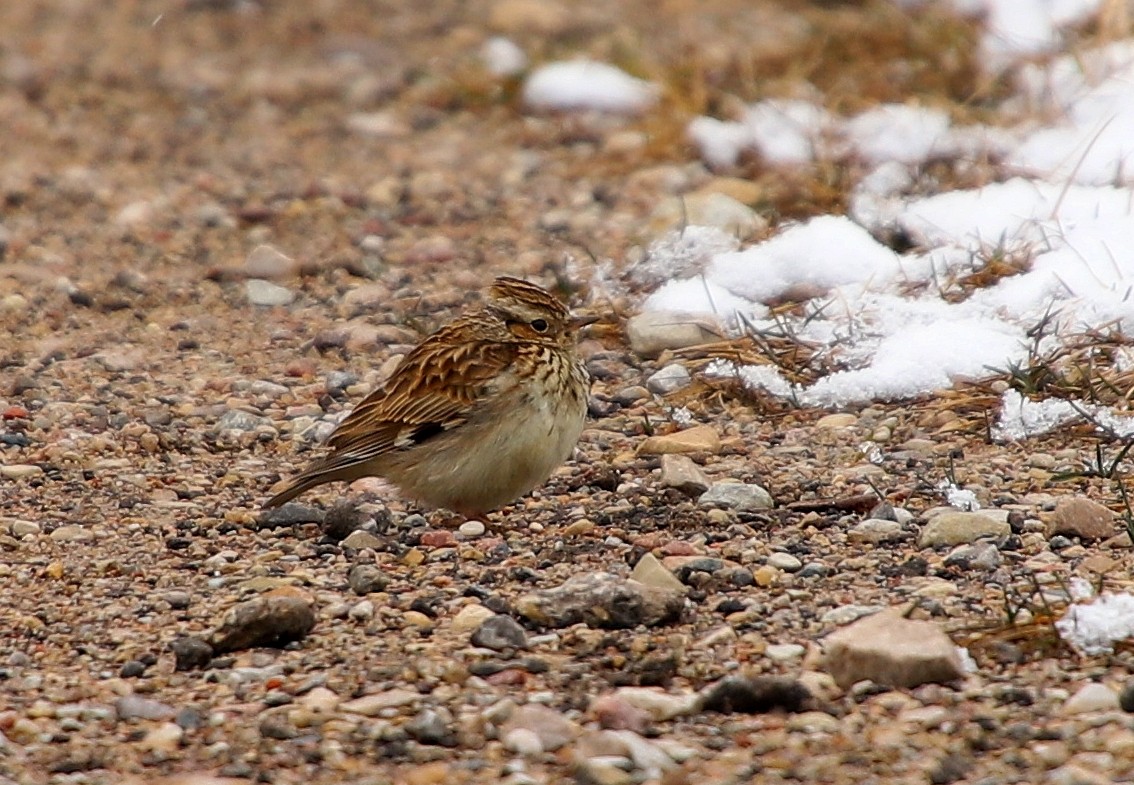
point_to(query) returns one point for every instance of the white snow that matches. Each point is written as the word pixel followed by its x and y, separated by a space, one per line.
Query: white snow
pixel 1059 206
pixel 1093 626
pixel 576 85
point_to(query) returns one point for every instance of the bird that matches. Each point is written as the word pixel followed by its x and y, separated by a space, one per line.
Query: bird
pixel 475 416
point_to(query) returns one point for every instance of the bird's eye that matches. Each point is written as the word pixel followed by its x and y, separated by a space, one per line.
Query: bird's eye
pixel 539 325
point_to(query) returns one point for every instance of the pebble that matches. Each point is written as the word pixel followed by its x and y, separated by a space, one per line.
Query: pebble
pixel 737 496
pixel 366 578
pixel 523 741
pixel 165 738
pixel 669 379
pixel 471 529
pixel 72 533
pixel 272 620
pixel 261 292
pixel 551 728
pixel 708 208
pixel 784 652
pixel 136 707
pixel 359 539
pixel 266 262
pixel 978 556
pixel 785 562
pixel 20 471
pixel 362 611
pixel 956 528
pixel 836 421
pixel 875 531
pixel 238 420
pixel 191 652
pixel 702 438
pixel 652 332
pixel 471 617
pixel 601 599
pixel 1091 697
pixel 430 727
pixel 500 632
pixel 1084 518
pixel 661 706
pixel 680 472
pixel 889 649
pixel 373 705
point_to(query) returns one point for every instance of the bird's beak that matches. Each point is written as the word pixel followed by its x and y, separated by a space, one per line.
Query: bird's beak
pixel 579 322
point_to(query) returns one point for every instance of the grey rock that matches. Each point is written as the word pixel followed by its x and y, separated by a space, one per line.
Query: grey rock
pixel 266 262
pixel 602 600
pixel 669 379
pixel 136 707
pixel 785 562
pixel 238 420
pixel 190 653
pixel 737 496
pixel 978 556
pixel 264 621
pixel 500 632
pixel 366 578
pixel 876 530
pixel 429 727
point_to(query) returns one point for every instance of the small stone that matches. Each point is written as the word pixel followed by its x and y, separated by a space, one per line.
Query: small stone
pixel 500 632
pixel 261 292
pixel 710 208
pixel 359 539
pixel 429 727
pixel 1083 518
pixel 957 528
pixel 659 705
pixel 272 620
pixel 1092 697
pixel 276 726
pixel 889 649
pixel 737 496
pixel 652 332
pixel 651 572
pixel 470 617
pixel 417 619
pixel 702 438
pixel 679 471
pixel 190 652
pixel 785 562
pixel 71 533
pixel 136 707
pixel 366 578
pixel 20 471
pixel 755 695
pixel 266 262
pixel 362 611
pixel 614 713
pixel 132 669
pixel 237 420
pixel 669 379
pixel 523 742
pixel 373 705
pixel 784 652
pixel 345 518
pixel 602 600
pixel 165 738
pixel 471 529
pixel 1126 698
pixel 978 556
pixel 835 421
pixel 875 531
pixel 552 728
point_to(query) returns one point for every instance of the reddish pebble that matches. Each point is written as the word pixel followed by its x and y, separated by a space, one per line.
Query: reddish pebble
pixel 300 369
pixel 649 541
pixel 15 413
pixel 273 683
pixel 438 539
pixel 615 713
pixel 678 548
pixel 509 677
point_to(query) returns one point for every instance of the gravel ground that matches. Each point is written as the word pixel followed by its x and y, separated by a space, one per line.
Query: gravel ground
pixel 161 371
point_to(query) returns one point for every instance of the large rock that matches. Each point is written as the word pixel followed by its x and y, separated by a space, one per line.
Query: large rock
pixel 1083 518
pixel 889 649
pixel 652 332
pixel 679 471
pixel 742 497
pixel 272 620
pixel 601 599
pixel 957 528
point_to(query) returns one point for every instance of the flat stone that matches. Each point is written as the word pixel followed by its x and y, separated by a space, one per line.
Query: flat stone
pixel 552 728
pixel 652 332
pixel 500 632
pixel 1084 518
pixel 372 705
pixel 71 533
pixel 737 496
pixel 701 438
pixel 708 208
pixel 361 539
pixel 889 649
pixel 957 528
pixel 680 472
pixel 669 379
pixel 261 292
pixel 20 471
pixel 876 530
pixel 661 706
pixel 785 562
pixel 835 421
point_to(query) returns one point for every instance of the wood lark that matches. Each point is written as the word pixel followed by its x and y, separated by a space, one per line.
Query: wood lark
pixel 473 417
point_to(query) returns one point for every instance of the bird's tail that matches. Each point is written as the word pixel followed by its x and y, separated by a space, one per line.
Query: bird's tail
pixel 319 473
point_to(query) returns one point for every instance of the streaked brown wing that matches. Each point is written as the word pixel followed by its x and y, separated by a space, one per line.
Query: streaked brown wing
pixel 429 392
